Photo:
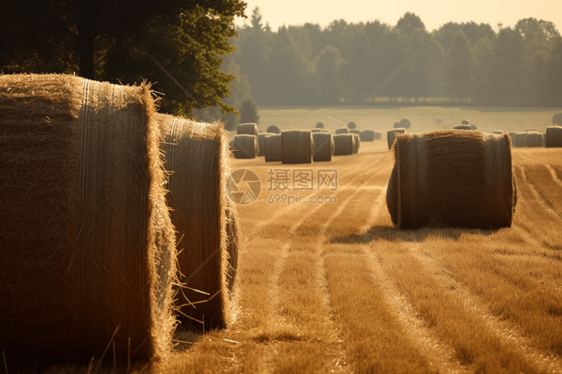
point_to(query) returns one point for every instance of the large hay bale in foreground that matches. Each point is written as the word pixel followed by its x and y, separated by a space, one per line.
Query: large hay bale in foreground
pixel 521 139
pixel 323 146
pixel 261 143
pixel 248 129
pixel 534 139
pixel 391 134
pixel 197 158
pixel 529 130
pixel 463 127
pixel 344 144
pixel 233 242
pixel 342 130
pixel 274 130
pixel 246 146
pixel 449 178
pixel 368 136
pixel 273 148
pixel 297 147
pixel 356 142
pixel 87 254
pixel 553 136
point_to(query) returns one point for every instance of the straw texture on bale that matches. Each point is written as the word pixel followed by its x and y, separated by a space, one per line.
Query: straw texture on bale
pixel 87 252
pixel 391 134
pixel 534 139
pixel 233 238
pixel 273 130
pixel 521 139
pixel 463 127
pixel 450 178
pixel 368 136
pixel 344 144
pixel 248 129
pixel 261 143
pixel 273 148
pixel 324 146
pixel 246 146
pixel 553 136
pixel 342 130
pixel 197 160
pixel 297 147
pixel 356 142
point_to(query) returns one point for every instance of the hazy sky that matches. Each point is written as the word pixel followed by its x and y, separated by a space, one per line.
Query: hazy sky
pixel 433 13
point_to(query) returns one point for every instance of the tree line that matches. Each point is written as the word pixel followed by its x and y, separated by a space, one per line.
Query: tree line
pixel 343 63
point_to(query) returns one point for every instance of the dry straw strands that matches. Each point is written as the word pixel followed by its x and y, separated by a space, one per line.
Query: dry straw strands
pixel 324 146
pixel 452 178
pixel 342 130
pixel 368 136
pixel 247 129
pixel 463 127
pixel 245 146
pixel 197 159
pixel 344 144
pixel 87 252
pixel 521 139
pixel 391 134
pixel 534 139
pixel 261 143
pixel 297 147
pixel 356 142
pixel 273 148
pixel 553 136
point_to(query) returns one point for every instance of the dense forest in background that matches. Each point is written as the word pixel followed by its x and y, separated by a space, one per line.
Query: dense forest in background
pixel 344 63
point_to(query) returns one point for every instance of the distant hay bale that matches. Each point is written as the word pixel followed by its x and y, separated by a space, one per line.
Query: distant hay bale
pixel 351 125
pixel 497 132
pixel 473 127
pixel 553 136
pixel 344 144
pixel 432 168
pixel 273 148
pixel 91 256
pixel 391 134
pixel 273 130
pixel 405 123
pixel 342 130
pixel 318 130
pixel 513 136
pixel 534 139
pixel 465 122
pixel 261 142
pixel 246 146
pixel 527 130
pixel 378 135
pixel 463 127
pixel 248 129
pixel 356 142
pixel 197 158
pixel 319 125
pixel 323 146
pixel 297 147
pixel 358 132
pixel 397 125
pixel 521 139
pixel 368 136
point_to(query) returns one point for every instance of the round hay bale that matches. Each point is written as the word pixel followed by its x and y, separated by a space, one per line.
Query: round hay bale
pixel 351 125
pixel 391 134
pixel 318 130
pixel 358 132
pixel 534 139
pixel 378 135
pixel 497 132
pixel 233 242
pixel 297 147
pixel 273 130
pixel 91 256
pixel 273 148
pixel 521 139
pixel 513 136
pixel 319 125
pixel 344 144
pixel 553 136
pixel 356 142
pixel 405 123
pixel 557 119
pixel 473 127
pixel 261 142
pixel 246 146
pixel 432 168
pixel 342 130
pixel 368 136
pixel 463 127
pixel 197 160
pixel 465 122
pixel 324 146
pixel 247 129
pixel 397 125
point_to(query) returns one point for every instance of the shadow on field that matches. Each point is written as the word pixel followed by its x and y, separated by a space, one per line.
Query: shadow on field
pixel 391 234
